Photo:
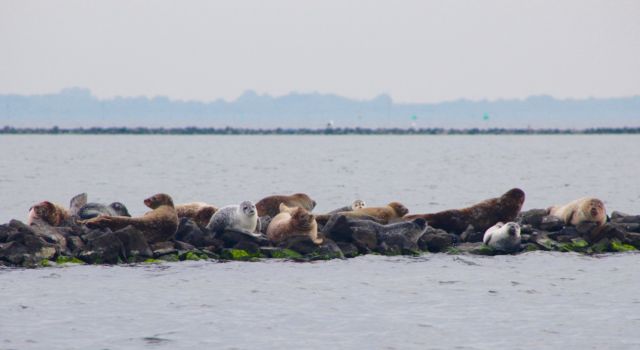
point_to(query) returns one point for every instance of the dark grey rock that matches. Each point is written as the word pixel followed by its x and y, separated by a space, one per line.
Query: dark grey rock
pixel 103 248
pixel 470 235
pixel 436 240
pixel 349 250
pixel 134 243
pixel 232 237
pixel 163 248
pixel 190 232
pixel 551 223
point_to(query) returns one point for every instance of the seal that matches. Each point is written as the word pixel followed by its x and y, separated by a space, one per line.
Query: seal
pixel 48 213
pixel 581 210
pixel 357 204
pixel 158 225
pixel 481 216
pixel 342 228
pixel 503 237
pixel 242 218
pixel 92 210
pixel 393 210
pixel 271 205
pixel 293 221
pixel 199 212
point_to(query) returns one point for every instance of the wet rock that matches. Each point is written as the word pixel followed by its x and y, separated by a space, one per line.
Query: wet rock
pixel 279 253
pixel 575 245
pixel 238 254
pixel 397 245
pixel 163 248
pixel 26 250
pixel 250 247
pixel 632 238
pixel 551 223
pixel 102 248
pixel 586 228
pixel 349 250
pixel 526 229
pixel 367 235
pixel 532 217
pixel 134 244
pixel 305 246
pixel 545 243
pixel 436 240
pixel 193 255
pixel 471 235
pixel 616 215
pixel 475 248
pixel 610 231
pixel 628 227
pixel 232 237
pixel 620 247
pixel 627 219
pixel 183 246
pixel 75 244
pixel 190 232
pixel 565 235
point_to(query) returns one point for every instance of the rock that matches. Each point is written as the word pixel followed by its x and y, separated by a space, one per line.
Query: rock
pixel 526 229
pixel 628 227
pixel 436 240
pixel 628 219
pixel 103 248
pixel 632 238
pixel 532 217
pixel 471 235
pixel 366 235
pixel 27 251
pixel 476 248
pixel 575 245
pixel 551 223
pixel 305 246
pixel 163 248
pixel 279 253
pixel 231 237
pixel 397 245
pixel 250 247
pixel 327 250
pixel 75 244
pixel 190 232
pixel 617 246
pixel 545 243
pixel 566 234
pixel 237 254
pixel 615 215
pixel 586 228
pixel 179 245
pixel 610 231
pixel 134 244
pixel 193 255
pixel 349 250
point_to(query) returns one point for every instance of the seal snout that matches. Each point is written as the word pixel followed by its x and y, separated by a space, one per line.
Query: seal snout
pixel 594 212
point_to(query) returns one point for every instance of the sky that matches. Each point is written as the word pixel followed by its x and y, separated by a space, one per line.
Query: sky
pixel 415 51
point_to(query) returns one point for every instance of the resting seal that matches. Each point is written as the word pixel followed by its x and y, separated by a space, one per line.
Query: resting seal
pixel 393 210
pixel 158 225
pixel 293 221
pixel 503 237
pixel 200 212
pixel 357 204
pixel 581 210
pixel 91 210
pixel 271 205
pixel 481 216
pixel 48 213
pixel 243 218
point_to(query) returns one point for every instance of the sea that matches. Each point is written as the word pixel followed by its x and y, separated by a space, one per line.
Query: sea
pixel 536 300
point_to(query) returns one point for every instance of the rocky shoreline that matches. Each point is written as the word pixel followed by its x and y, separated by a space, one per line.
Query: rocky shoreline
pixel 43 245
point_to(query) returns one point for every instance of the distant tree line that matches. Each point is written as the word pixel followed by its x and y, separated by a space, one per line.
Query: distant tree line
pixel 305 131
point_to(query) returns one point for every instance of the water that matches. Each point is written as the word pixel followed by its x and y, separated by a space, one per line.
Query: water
pixel 436 301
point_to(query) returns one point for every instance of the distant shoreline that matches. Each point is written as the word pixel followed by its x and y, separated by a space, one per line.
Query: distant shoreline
pixel 8 130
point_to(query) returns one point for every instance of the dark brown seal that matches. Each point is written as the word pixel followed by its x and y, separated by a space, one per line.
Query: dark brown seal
pixel 481 216
pixel 49 213
pixel 271 205
pixel 157 225
pixel 199 212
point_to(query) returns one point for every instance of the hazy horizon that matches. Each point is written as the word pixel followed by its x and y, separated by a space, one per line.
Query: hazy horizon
pixel 413 51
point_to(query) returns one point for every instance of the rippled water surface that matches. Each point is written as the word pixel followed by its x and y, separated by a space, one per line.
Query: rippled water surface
pixel 436 301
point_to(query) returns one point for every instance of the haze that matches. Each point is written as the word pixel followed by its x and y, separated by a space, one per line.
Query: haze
pixel 415 51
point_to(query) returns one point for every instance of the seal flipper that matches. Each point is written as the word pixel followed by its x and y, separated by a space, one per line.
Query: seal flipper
pixel 76 203
pixel 487 239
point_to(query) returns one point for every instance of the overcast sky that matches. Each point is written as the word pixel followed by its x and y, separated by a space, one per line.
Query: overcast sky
pixel 416 51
